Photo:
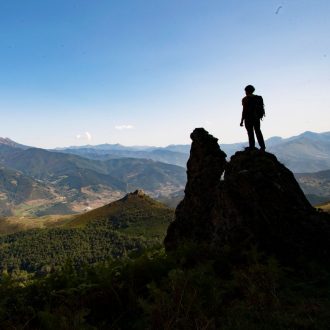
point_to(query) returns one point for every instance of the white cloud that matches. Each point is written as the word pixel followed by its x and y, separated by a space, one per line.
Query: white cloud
pixel 84 136
pixel 88 136
pixel 122 127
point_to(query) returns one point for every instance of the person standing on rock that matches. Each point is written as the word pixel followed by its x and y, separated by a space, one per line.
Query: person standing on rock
pixel 253 111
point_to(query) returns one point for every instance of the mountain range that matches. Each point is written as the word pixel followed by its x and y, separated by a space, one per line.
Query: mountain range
pixel 307 152
pixel 40 182
pixel 307 155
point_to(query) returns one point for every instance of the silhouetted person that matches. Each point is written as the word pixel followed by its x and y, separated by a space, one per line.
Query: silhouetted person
pixel 253 111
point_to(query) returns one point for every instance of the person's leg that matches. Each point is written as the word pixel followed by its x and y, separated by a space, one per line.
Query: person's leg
pixel 259 135
pixel 249 128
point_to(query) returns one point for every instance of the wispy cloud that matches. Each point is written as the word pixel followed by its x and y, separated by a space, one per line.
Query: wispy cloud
pixel 122 127
pixel 84 136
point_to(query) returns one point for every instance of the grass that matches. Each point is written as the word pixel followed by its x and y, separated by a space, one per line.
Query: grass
pixel 15 224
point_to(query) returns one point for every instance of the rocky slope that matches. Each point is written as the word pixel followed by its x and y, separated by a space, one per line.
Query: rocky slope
pixel 257 204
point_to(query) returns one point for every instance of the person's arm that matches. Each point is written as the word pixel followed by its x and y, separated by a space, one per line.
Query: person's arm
pixel 243 111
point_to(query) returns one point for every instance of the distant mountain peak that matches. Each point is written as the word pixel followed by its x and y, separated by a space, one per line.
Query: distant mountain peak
pixel 8 142
pixel 308 134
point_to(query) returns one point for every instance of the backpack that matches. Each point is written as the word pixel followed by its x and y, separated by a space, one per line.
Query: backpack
pixel 260 108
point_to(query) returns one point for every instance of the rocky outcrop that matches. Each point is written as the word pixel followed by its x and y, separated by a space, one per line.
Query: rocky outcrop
pixel 137 192
pixel 258 203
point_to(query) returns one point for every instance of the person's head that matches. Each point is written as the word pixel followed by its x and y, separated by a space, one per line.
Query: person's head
pixel 249 89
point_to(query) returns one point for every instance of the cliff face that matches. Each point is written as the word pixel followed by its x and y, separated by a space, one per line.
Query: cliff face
pixel 258 203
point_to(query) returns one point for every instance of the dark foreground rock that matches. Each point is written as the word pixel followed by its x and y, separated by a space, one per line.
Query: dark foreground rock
pixel 257 204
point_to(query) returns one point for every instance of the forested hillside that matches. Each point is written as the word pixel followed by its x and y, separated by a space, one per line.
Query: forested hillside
pixel 129 225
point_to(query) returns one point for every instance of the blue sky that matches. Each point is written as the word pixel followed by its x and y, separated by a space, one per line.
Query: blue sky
pixel 147 72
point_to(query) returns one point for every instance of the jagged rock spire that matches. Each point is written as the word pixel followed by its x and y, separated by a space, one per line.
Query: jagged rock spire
pixel 204 169
pixel 259 203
